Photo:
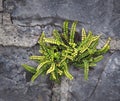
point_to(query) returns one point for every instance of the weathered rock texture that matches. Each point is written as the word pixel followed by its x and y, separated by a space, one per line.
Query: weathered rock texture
pixel 21 23
pixel 14 80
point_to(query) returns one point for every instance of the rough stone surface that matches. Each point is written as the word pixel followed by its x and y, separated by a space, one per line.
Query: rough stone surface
pixel 26 36
pixel 19 36
pixel 0 18
pixel 114 44
pixel 101 16
pixel 103 83
pixel 15 81
pixel 79 89
pixel 21 23
pixel 108 88
pixel 115 19
pixel 1 6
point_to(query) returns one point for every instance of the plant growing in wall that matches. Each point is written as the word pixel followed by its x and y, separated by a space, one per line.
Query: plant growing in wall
pixel 62 49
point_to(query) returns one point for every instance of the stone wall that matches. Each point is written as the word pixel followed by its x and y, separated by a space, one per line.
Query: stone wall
pixel 21 23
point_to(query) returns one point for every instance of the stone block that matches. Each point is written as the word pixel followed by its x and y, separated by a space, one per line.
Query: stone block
pixel 100 16
pixel 1 5
pixel 0 18
pixel 15 81
pixel 6 19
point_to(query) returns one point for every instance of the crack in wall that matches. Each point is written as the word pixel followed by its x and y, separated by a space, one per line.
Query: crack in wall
pixel 48 20
pixel 97 84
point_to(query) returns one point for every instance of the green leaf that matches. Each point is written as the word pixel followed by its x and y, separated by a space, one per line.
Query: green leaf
pixel 29 68
pixel 72 32
pixel 86 46
pixel 105 48
pixel 85 43
pixel 91 51
pixel 59 71
pixel 94 44
pixel 92 64
pixel 78 65
pixel 65 30
pixel 94 38
pixel 86 69
pixel 37 57
pixel 57 35
pixel 51 69
pixel 53 75
pixel 40 41
pixel 66 72
pixel 36 75
pixel 52 41
pixel 83 55
pixel 83 34
pixel 98 58
pixel 42 64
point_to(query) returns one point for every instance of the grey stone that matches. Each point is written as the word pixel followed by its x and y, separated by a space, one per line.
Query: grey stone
pixel 100 16
pixel 15 81
pixel 114 43
pixel 0 18
pixel 7 19
pixel 103 83
pixel 108 88
pixel 19 36
pixel 115 19
pixel 22 18
pixel 1 5
pixel 79 89
pixel 21 24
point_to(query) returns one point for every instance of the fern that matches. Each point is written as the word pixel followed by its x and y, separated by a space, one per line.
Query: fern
pixel 62 49
pixel 29 68
pixel 72 32
pixel 86 69
pixel 83 34
pixel 65 30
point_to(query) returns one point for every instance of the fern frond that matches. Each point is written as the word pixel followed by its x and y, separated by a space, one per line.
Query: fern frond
pixel 29 68
pixel 94 38
pixel 51 69
pixel 37 57
pixel 36 75
pixel 86 69
pixel 56 35
pixel 105 48
pixel 53 75
pixel 88 41
pixel 65 30
pixel 42 64
pixel 91 51
pixel 98 58
pixel 83 55
pixel 40 41
pixel 83 34
pixel 94 44
pixel 66 72
pixel 59 71
pixel 52 41
pixel 83 43
pixel 86 46
pixel 72 32
pixel 92 64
